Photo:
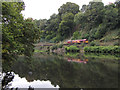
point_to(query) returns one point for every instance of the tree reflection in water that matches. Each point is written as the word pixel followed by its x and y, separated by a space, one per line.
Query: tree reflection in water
pixel 96 73
pixel 7 77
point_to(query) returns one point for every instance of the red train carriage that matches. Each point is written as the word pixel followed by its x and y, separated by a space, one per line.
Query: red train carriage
pixel 77 41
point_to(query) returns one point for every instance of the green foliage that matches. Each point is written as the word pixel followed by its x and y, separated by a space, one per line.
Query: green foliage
pixel 96 20
pixel 110 18
pixel 71 54
pixel 69 8
pixel 36 51
pixel 48 37
pixel 103 49
pixel 76 35
pixel 60 45
pixel 94 43
pixel 66 25
pixel 80 18
pixel 18 34
pixel 100 32
pixel 72 49
pixel 54 47
pixel 59 26
pixel 11 29
pixel 92 22
pixel 56 39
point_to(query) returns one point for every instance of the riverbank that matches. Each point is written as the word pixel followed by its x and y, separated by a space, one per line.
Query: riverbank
pixel 79 48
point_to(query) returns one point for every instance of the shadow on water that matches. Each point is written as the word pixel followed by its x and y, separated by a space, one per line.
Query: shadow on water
pixel 69 70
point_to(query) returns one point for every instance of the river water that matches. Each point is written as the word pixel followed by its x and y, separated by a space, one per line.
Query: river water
pixel 68 70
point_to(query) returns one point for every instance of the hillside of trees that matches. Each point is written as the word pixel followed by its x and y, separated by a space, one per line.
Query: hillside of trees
pixel 94 21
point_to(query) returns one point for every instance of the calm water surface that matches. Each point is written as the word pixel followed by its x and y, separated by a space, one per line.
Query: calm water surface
pixel 71 70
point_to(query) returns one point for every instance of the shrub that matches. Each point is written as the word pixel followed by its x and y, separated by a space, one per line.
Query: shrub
pixel 72 49
pixel 103 49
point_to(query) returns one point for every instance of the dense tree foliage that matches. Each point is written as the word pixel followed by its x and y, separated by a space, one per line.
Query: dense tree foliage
pixel 11 28
pixel 92 22
pixel 69 8
pixel 95 20
pixel 66 25
pixel 18 35
pixel 59 26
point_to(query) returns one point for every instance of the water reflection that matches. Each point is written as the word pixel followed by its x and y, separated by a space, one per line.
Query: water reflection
pixel 77 60
pixel 7 78
pixel 23 83
pixel 66 72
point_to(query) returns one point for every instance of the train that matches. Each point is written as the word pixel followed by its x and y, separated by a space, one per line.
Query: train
pixel 77 41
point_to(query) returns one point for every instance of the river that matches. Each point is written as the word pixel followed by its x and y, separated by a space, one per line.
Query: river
pixel 70 70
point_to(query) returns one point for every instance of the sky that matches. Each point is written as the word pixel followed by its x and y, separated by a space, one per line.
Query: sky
pixel 43 9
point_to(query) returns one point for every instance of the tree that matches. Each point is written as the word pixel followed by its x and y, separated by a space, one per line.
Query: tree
pixel 11 29
pixel 110 18
pixel 117 3
pixel 68 8
pixel 80 19
pixel 18 35
pixel 30 36
pixel 76 35
pixel 94 13
pixel 50 27
pixel 66 25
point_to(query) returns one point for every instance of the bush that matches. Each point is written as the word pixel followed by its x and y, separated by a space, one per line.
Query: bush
pixel 72 49
pixel 103 49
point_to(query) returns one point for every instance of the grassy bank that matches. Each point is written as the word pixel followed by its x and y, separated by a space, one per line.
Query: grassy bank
pixel 39 50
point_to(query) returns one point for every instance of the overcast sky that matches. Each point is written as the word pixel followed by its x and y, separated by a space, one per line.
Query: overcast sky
pixel 41 9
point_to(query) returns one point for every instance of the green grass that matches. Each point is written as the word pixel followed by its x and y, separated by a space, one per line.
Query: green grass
pixel 39 50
